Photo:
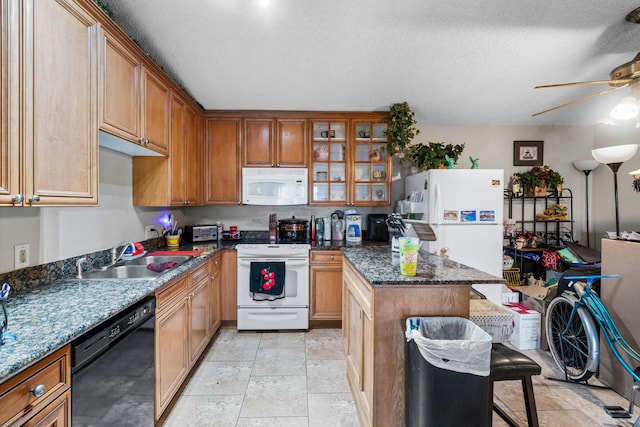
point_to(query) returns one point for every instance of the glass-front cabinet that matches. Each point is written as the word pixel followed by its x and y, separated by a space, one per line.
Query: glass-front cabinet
pixel 329 160
pixel 348 163
pixel 371 164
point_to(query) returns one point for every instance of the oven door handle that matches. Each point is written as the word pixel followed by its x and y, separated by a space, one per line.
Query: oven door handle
pixel 289 262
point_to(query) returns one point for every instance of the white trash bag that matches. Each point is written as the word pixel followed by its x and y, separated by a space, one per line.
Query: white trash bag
pixel 451 343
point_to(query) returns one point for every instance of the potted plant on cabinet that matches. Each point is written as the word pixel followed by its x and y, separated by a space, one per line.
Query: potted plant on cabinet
pixel 433 155
pixel 401 130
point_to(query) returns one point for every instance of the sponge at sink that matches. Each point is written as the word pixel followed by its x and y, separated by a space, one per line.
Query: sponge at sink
pixel 161 266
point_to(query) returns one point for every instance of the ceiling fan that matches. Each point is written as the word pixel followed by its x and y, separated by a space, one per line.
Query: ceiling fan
pixel 625 75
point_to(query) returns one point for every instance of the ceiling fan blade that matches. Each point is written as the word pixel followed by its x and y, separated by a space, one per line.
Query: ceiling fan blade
pixel 596 82
pixel 575 101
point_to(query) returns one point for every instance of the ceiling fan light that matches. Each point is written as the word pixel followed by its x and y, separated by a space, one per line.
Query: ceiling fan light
pixel 626 109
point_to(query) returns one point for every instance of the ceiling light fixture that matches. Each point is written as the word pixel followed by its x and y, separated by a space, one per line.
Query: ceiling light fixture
pixel 626 109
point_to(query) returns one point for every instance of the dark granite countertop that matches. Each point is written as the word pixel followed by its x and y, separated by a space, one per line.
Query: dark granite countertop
pixel 52 315
pixel 378 266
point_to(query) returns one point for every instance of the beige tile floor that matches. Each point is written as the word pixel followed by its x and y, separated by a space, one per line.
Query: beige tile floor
pixel 296 379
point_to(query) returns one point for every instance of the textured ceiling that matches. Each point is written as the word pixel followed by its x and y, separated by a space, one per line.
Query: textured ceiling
pixel 457 62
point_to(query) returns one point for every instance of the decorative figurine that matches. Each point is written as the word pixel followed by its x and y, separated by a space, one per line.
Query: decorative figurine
pixel 450 161
pixel 474 162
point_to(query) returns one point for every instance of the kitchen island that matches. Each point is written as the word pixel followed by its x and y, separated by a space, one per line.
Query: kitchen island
pixel 376 302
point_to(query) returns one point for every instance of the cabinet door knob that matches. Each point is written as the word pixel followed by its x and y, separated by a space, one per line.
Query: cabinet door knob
pixel 18 198
pixel 34 199
pixel 141 140
pixel 331 257
pixel 38 390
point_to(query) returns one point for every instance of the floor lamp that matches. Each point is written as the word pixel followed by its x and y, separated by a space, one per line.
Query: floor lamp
pixel 613 157
pixel 586 166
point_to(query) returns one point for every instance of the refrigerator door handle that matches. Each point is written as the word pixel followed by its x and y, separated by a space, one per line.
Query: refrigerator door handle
pixel 435 206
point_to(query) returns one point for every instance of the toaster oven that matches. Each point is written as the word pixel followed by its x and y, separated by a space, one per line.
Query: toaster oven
pixel 200 233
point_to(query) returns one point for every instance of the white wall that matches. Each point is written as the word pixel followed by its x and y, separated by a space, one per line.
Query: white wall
pixel 58 233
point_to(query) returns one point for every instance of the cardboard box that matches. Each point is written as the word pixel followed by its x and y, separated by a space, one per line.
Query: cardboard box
pixel 493 319
pixel 526 327
pixel 538 298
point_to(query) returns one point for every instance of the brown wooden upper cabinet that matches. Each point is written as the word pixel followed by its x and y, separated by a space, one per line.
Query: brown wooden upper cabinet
pixel 222 160
pixel 175 180
pixel 134 101
pixel 274 142
pixel 48 145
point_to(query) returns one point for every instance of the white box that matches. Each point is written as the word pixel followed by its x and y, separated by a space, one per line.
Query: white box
pixel 493 319
pixel 526 327
pixel 538 298
pixel 494 292
pixel 510 297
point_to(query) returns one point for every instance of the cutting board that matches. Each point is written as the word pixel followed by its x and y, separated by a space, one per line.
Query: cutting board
pixel 192 253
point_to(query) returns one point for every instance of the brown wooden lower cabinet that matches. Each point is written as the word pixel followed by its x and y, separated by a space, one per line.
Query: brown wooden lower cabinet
pixel 57 413
pixel 186 314
pixel 229 286
pixel 373 326
pixel 172 342
pixel 19 404
pixel 215 315
pixel 199 300
pixel 325 288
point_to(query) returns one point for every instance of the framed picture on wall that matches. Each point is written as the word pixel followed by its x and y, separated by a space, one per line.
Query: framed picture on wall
pixel 527 153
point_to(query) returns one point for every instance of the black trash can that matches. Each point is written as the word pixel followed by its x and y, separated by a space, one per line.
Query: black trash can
pixel 448 363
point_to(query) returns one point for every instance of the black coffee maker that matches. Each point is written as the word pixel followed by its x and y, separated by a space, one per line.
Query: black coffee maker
pixel 377 228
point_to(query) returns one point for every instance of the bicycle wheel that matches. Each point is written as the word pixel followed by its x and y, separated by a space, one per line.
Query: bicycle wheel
pixel 575 351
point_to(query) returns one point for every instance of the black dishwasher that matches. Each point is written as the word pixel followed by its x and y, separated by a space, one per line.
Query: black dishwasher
pixel 112 370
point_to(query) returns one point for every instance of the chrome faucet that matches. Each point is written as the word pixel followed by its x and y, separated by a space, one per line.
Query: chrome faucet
pixel 114 251
pixel 79 263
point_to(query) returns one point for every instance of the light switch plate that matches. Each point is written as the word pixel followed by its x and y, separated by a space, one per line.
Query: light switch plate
pixel 21 257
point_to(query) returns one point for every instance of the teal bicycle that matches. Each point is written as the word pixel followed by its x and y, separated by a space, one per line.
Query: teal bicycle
pixel 572 325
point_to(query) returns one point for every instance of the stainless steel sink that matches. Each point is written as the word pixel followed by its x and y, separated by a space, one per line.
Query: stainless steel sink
pixel 122 272
pixel 150 259
pixel 135 269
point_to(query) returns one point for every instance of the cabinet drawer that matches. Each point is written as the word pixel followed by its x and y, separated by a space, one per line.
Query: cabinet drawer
pixel 20 395
pixel 168 294
pixel 199 273
pixel 326 257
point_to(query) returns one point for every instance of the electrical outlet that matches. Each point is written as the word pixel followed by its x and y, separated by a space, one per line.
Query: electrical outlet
pixel 21 259
pixel 149 232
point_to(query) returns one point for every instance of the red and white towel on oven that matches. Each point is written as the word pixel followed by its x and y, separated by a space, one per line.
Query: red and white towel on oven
pixel 266 280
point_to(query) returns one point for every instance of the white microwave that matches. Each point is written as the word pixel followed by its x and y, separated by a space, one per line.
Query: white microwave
pixel 275 186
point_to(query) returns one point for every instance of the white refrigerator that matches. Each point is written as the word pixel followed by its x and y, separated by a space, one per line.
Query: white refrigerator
pixel 464 208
